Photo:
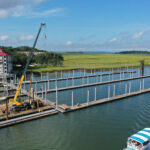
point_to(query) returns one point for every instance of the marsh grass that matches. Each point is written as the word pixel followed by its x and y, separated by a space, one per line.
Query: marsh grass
pixel 97 61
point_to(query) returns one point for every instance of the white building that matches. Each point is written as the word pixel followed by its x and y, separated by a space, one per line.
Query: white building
pixel 5 62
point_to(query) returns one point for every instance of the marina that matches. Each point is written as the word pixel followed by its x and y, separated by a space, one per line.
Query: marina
pixel 79 80
pixel 63 108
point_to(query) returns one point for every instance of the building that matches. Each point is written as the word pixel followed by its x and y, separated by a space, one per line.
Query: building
pixel 5 62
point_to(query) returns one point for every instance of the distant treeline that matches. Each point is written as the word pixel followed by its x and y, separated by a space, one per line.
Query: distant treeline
pixel 45 58
pixel 134 52
pixel 75 52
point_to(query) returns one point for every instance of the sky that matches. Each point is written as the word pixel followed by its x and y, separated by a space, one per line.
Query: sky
pixel 76 25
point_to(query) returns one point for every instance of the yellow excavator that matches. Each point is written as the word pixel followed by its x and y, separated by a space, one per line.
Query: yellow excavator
pixel 15 101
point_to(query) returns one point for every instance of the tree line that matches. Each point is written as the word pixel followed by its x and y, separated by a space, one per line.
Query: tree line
pixel 135 52
pixel 45 58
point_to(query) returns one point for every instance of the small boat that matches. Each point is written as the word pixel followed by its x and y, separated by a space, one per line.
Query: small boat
pixel 140 140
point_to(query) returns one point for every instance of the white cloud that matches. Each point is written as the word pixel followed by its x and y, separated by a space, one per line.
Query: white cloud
pixel 68 43
pixel 5 4
pixel 4 37
pixel 17 8
pixel 113 40
pixel 14 40
pixel 137 35
pixel 15 11
pixel 50 12
pixel 26 38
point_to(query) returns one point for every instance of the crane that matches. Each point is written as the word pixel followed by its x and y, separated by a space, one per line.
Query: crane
pixel 14 101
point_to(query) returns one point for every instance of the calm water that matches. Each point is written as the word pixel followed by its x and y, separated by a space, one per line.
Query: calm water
pixel 103 127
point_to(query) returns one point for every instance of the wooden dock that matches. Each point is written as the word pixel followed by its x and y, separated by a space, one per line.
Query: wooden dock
pixel 22 113
pixel 22 119
pixel 105 100
pixel 68 109
pixel 91 84
pixel 79 77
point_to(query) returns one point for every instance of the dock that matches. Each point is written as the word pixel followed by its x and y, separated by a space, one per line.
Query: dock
pixel 79 77
pixel 92 84
pixel 22 119
pixel 105 100
pixel 55 107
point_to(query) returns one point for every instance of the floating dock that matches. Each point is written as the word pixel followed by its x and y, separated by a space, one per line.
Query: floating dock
pixel 22 119
pixel 105 100
pixel 92 84
pixel 79 77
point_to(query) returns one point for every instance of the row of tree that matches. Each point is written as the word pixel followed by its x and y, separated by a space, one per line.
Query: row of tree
pixel 48 58
pixel 135 52
pixel 45 58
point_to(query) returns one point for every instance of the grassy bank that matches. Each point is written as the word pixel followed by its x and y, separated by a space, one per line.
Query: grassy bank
pixel 91 61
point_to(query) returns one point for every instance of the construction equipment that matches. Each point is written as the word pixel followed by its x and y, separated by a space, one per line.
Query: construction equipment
pixel 14 101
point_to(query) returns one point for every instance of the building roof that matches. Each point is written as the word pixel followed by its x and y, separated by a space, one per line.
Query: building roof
pixel 1 49
pixel 3 52
pixel 142 136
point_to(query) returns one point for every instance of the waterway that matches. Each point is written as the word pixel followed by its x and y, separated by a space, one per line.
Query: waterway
pixel 103 127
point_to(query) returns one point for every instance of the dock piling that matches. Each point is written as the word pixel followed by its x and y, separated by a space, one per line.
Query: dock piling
pixel 140 85
pixel 72 98
pixel 48 85
pixel 109 75
pixel 45 92
pixel 88 97
pixel 108 92
pixel 114 90
pixel 73 73
pixel 56 96
pixel 130 86
pixel 126 86
pixel 95 93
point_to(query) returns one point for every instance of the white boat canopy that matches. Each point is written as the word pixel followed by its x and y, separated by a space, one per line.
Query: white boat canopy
pixel 141 136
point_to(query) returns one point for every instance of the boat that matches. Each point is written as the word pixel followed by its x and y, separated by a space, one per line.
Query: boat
pixel 139 141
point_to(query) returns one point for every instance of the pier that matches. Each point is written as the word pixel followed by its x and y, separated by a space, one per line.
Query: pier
pixel 79 77
pixel 92 84
pixel 105 100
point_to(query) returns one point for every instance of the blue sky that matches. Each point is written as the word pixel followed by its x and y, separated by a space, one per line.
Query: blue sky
pixel 77 25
